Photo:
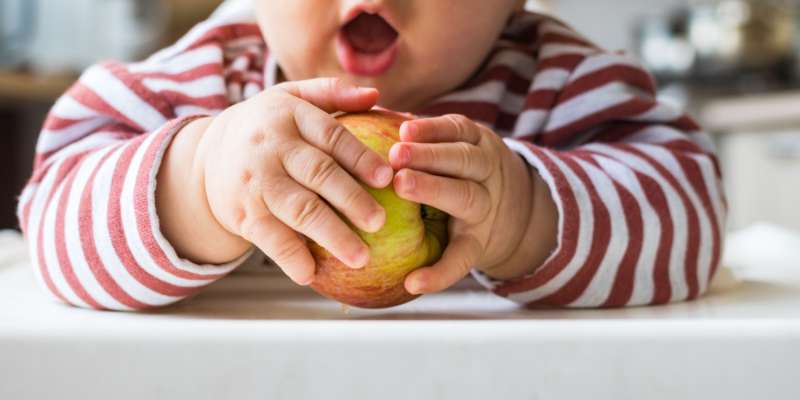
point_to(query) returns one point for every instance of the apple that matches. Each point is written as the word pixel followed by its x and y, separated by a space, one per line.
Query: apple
pixel 413 236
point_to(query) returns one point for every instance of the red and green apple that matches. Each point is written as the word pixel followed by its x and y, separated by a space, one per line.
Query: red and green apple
pixel 413 236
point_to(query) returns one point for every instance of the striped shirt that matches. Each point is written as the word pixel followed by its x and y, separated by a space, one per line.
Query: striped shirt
pixel 635 181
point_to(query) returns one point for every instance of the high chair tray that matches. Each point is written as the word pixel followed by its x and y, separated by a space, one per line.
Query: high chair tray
pixel 254 335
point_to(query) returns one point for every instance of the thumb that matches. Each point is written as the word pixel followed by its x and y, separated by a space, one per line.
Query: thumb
pixel 332 94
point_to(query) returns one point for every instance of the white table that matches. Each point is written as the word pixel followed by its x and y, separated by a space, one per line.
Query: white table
pixel 254 335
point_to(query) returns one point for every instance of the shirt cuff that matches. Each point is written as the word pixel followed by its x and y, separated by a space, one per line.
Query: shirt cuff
pixel 172 277
pixel 546 162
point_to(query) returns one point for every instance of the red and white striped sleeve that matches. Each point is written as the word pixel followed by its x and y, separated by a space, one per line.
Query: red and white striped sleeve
pixel 635 181
pixel 88 212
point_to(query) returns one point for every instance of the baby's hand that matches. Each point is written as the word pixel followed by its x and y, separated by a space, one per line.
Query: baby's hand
pixel 269 162
pixel 466 170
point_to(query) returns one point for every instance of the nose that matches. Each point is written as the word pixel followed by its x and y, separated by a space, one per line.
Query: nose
pixel 370 6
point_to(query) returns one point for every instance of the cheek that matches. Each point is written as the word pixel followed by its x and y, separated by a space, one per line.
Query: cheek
pixel 452 58
pixel 445 57
pixel 298 35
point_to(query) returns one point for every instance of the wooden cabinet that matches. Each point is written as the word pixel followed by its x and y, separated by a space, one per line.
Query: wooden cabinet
pixel 185 13
pixel 20 121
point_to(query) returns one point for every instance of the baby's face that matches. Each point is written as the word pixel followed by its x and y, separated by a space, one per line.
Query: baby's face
pixel 411 50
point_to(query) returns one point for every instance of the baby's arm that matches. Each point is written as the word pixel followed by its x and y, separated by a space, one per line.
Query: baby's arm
pixel 617 201
pixel 116 216
pixel 260 173
pixel 185 216
pixel 88 212
pixel 636 184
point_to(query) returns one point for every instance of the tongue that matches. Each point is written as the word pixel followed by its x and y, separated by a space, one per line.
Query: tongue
pixel 370 33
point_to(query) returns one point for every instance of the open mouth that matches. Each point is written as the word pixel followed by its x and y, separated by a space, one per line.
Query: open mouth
pixel 367 45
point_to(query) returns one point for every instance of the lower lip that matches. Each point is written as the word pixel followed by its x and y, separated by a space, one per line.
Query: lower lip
pixel 364 64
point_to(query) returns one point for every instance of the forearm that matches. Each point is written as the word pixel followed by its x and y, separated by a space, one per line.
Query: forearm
pixel 539 238
pixel 185 216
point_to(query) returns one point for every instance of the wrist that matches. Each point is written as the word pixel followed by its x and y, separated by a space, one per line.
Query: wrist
pixel 539 238
pixel 186 218
pixel 511 222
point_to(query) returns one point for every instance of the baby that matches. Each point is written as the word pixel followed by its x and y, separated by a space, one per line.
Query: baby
pixel 568 183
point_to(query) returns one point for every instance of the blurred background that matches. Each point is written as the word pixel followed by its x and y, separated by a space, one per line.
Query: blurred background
pixel 734 64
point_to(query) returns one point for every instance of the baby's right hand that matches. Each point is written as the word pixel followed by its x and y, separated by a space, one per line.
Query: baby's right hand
pixel 269 161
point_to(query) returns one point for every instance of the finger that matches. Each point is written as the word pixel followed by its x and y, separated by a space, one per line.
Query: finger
pixel 456 159
pixel 306 213
pixel 458 259
pixel 326 133
pixel 321 174
pixel 447 128
pixel 463 199
pixel 332 94
pixel 281 244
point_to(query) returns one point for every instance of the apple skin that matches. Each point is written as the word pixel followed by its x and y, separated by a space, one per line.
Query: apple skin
pixel 413 236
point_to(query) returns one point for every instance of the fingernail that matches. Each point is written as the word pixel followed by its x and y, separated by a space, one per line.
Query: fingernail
pixel 399 155
pixel 307 281
pixel 413 287
pixel 409 183
pixel 407 131
pixel 377 219
pixel 383 175
pixel 362 91
pixel 361 259
pixel 404 154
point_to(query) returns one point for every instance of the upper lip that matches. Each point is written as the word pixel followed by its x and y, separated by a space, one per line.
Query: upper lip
pixel 369 8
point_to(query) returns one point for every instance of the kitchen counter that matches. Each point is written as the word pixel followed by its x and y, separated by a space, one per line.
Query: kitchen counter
pixel 24 86
pixel 750 112
pixel 736 107
pixel 254 335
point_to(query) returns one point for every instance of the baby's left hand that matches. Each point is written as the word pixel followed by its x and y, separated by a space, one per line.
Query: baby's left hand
pixel 467 171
